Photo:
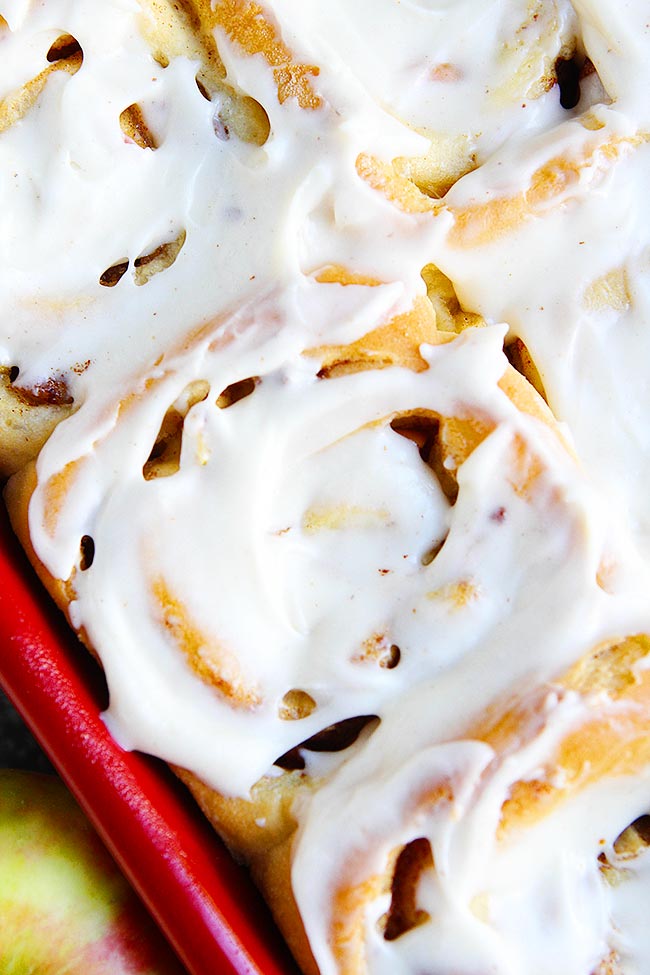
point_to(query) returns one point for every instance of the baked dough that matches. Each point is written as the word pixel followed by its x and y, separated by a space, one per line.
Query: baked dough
pixel 318 322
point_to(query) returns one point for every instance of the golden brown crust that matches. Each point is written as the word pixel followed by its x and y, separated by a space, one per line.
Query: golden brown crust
pixel 27 419
pixel 64 55
pixel 612 740
pixel 181 28
pixel 17 495
pixel 260 832
pixel 249 26
pixel 260 829
pixel 253 826
pixel 478 224
pixel 272 874
pixel 395 344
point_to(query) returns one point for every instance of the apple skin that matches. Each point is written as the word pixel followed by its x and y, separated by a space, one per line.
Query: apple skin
pixel 65 908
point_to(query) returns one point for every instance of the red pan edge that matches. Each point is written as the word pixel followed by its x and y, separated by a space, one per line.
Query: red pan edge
pixel 202 900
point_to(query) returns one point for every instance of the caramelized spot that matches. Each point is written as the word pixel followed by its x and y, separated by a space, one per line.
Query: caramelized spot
pixel 338 274
pixel 633 840
pixel 612 740
pixel 395 344
pixel 611 965
pixel 50 392
pixel 64 48
pixel 207 658
pixel 347 929
pixel 247 25
pixel 158 260
pixel 16 104
pixel 398 189
pixel 403 914
pixel 526 467
pixel 445 72
pixel 56 491
pixel 237 391
pixel 87 551
pixel 136 129
pixel 393 658
pixel 204 91
pixel 520 359
pixel 460 436
pixel 459 594
pixel 518 390
pixel 296 705
pixel 164 459
pixel 617 872
pixel 610 667
pixel 479 224
pixel 642 828
pixel 482 223
pixel 113 274
pixel 591 122
pixel 294 81
pixel 378 649
pixel 185 28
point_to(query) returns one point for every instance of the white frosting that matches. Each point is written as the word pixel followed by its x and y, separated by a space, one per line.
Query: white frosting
pixel 303 541
pixel 459 69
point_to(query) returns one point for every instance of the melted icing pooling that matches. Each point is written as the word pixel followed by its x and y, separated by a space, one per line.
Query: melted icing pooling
pixel 298 488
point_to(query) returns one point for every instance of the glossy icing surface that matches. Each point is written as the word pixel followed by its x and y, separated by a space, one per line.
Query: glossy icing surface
pixel 303 555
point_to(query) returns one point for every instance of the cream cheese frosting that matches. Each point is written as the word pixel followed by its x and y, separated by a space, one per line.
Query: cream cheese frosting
pixel 299 547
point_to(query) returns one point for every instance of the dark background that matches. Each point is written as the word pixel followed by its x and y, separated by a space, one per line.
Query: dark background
pixel 18 749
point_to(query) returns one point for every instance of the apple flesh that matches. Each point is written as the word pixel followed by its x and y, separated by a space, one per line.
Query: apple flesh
pixel 65 909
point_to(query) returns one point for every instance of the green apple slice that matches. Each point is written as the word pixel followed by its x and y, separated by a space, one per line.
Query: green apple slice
pixel 65 909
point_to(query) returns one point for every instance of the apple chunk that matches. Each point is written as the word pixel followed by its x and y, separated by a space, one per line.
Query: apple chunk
pixel 64 906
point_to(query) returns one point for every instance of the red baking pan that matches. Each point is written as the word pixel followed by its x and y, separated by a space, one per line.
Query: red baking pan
pixel 202 900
